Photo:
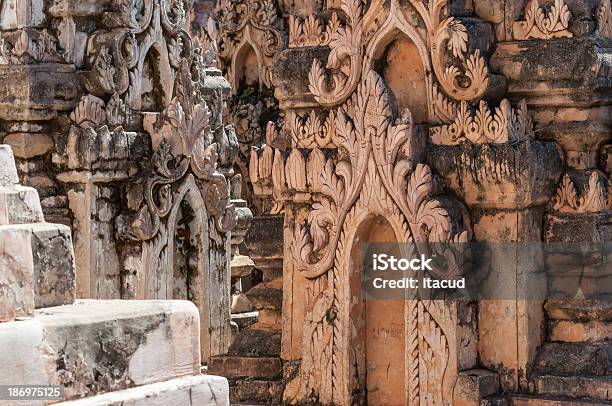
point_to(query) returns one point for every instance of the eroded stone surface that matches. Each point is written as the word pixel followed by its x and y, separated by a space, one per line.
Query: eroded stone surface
pixel 188 391
pixel 93 347
pixel 53 260
pixel 17 281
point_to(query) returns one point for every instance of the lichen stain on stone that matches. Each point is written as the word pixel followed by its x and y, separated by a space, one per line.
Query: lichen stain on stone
pixel 86 368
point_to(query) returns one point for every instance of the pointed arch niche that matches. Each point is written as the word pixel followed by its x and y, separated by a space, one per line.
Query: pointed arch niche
pixel 399 62
pixel 379 324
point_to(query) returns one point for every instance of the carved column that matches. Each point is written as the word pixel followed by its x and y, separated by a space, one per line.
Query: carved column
pixel 567 86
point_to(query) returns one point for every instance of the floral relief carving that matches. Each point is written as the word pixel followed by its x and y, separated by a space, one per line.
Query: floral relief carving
pixel 444 35
pixel 184 145
pixel 117 58
pixel 366 132
pixel 542 24
pixel 502 125
pixel 594 197
pixel 310 32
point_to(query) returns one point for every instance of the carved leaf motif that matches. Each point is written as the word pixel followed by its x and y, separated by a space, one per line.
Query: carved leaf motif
pixel 89 112
pixel 278 173
pixel 457 42
pixel 314 169
pixel 254 166
pixel 296 171
pixel 541 25
pixel 595 199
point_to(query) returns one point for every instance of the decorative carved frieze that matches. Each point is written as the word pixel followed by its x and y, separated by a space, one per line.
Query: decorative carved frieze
pixel 540 23
pixel 312 131
pixel 26 46
pixel 502 125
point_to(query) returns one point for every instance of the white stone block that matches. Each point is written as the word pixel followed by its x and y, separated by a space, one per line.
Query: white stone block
pixel 201 390
pixel 19 205
pixel 54 267
pixel 8 171
pixel 16 274
pixel 94 346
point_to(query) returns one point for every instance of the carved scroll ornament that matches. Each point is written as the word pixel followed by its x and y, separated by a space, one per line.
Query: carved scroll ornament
pixel 116 53
pixel 346 59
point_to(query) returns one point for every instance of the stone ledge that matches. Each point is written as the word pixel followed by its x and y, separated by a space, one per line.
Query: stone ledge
pixel 53 259
pixel 188 391
pixel 19 205
pixel 94 346
pixel 596 388
pixel 235 367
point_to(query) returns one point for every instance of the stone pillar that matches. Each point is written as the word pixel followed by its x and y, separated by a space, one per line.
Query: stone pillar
pixel 507 187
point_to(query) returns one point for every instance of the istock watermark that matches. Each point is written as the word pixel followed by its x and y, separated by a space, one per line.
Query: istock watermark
pixel 481 270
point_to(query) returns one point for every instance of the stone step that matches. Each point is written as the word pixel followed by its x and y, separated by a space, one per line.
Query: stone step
pixel 267 295
pixel 8 170
pixel 254 391
pixel 596 388
pixel 20 205
pixel 54 267
pixel 524 400
pixel 575 359
pixel 196 390
pixel 37 264
pixel 98 346
pixel 256 343
pixel 235 367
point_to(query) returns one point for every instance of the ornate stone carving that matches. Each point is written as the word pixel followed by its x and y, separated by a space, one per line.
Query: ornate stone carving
pixel 604 19
pixel 368 141
pixel 311 31
pixel 364 30
pixel 541 24
pixel 376 173
pixel 503 125
pixel 119 58
pixel 311 131
pixel 28 46
pixel 594 197
pixel 183 143
pixel 249 23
